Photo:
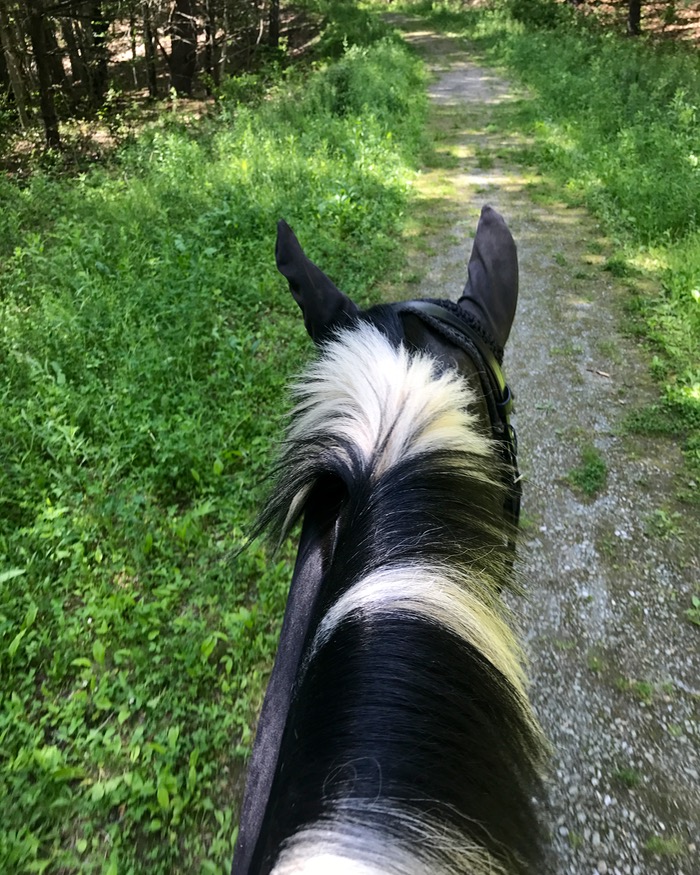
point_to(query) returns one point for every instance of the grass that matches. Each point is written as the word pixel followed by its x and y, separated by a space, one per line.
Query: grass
pixel 145 344
pixel 614 123
pixel 665 846
pixel 590 476
pixel 628 777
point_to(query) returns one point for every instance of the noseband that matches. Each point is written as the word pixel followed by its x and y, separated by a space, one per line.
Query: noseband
pixel 453 325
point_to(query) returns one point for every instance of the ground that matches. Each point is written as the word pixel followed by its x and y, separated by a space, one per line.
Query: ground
pixel 609 558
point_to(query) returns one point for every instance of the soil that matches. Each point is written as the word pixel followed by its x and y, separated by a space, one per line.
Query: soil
pixel 614 660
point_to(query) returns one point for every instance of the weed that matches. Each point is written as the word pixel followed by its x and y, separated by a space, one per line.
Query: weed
pixel 661 523
pixel 665 846
pixel 575 839
pixel 591 475
pixel 567 351
pixel 628 776
pixel 643 690
pixel 692 614
pixel 484 159
pixel 596 663
pixel 564 644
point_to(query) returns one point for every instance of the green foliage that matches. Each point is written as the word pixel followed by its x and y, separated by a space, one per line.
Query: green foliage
pixel 616 122
pixel 629 777
pixel 692 614
pixel 590 476
pixel 546 14
pixel 145 344
pixel 665 846
pixel 348 24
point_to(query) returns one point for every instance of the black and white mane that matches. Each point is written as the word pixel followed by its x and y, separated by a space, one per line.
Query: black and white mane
pixel 396 735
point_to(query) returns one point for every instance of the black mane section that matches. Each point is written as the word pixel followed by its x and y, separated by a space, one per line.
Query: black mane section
pixel 395 707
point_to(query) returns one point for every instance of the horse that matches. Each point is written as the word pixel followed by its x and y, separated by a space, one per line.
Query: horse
pixel 396 735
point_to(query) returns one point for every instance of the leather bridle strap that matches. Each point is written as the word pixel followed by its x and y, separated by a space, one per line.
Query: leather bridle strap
pixel 497 393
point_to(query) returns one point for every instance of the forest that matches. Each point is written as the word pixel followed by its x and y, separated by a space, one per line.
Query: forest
pixel 146 342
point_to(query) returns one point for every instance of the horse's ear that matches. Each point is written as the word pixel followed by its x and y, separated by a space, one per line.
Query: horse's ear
pixel 324 306
pixel 491 292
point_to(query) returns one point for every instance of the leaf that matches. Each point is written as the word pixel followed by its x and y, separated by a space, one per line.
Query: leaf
pixel 81 662
pixel 163 797
pixel 98 652
pixel 218 467
pixel 30 616
pixel 81 846
pixel 11 574
pixel 16 641
pixel 112 867
pixel 173 735
pixel 207 646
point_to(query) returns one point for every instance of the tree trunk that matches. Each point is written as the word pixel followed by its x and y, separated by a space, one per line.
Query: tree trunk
pixel 14 70
pixel 183 52
pixel 273 35
pixel 132 40
pixel 210 60
pixel 77 64
pixel 37 35
pixel 55 59
pixel 99 72
pixel 634 18
pixel 150 51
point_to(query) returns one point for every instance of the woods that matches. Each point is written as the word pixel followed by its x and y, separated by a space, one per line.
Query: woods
pixel 59 58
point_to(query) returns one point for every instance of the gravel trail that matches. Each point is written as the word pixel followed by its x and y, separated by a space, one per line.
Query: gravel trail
pixel 615 664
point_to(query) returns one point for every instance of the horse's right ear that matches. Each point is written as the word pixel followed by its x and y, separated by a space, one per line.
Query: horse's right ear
pixel 491 292
pixel 324 306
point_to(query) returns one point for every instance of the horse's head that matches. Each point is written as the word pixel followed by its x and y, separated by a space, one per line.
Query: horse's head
pixel 323 482
pixel 488 301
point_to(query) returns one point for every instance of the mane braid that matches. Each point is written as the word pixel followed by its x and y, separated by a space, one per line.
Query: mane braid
pixel 410 747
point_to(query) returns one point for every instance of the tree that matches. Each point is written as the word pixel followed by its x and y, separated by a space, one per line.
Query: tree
pixel 37 35
pixel 183 53
pixel 634 17
pixel 13 63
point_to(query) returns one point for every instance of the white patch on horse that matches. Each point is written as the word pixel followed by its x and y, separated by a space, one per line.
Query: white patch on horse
pixel 462 602
pixel 389 403
pixel 381 838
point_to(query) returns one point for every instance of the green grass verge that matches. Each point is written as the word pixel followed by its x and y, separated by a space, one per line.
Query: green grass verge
pixel 615 123
pixel 145 344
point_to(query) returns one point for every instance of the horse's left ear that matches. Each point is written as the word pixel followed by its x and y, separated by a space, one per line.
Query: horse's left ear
pixel 324 306
pixel 491 292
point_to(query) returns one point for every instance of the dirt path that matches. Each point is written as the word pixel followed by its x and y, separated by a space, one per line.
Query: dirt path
pixel 615 663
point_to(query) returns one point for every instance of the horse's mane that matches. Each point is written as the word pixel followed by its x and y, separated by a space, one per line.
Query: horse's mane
pixel 410 746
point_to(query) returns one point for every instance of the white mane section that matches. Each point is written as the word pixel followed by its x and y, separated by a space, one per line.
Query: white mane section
pixel 387 402
pixel 462 603
pixel 381 838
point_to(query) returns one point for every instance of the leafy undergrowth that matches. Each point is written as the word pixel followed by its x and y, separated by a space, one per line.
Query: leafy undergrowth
pixel 616 123
pixel 145 344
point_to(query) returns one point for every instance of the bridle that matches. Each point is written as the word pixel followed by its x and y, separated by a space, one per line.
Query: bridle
pixel 461 329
